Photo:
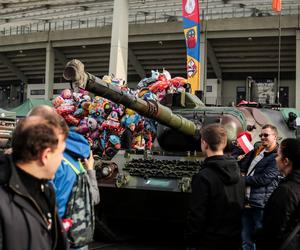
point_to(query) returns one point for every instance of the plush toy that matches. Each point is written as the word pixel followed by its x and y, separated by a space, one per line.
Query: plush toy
pixel 178 82
pixel 118 82
pixel 148 139
pixel 102 121
pixel 79 113
pixel 139 142
pixel 146 94
pixel 65 109
pixel 71 120
pixel 111 125
pixel 86 98
pixel 91 123
pixel 83 126
pixel 167 75
pixel 147 81
pixel 115 140
pixel 77 96
pixel 66 94
pixel 111 146
pixel 159 86
pixel 128 119
pixel 57 101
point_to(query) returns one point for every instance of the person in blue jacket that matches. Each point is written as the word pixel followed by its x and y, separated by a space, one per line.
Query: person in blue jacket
pixel 77 147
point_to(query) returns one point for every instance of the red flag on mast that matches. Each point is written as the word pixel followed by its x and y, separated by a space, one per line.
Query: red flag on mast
pixel 276 5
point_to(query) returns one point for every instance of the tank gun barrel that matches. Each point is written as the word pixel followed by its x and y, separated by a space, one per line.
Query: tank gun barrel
pixel 75 73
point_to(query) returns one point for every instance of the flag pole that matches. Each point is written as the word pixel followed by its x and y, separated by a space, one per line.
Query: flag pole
pixel 279 57
pixel 205 53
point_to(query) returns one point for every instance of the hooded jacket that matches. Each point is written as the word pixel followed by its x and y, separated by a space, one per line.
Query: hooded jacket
pixel 214 216
pixel 282 214
pixel 77 147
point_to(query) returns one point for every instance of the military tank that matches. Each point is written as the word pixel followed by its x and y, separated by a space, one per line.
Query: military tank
pixel 150 191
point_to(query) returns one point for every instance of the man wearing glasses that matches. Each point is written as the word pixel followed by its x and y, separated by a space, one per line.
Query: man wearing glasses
pixel 261 178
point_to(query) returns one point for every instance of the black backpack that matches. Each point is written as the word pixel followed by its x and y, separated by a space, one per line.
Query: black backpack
pixel 80 209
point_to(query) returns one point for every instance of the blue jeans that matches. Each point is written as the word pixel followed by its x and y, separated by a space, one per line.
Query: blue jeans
pixel 251 221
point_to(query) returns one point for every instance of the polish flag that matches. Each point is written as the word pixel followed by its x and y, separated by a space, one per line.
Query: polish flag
pixel 245 144
pixel 276 5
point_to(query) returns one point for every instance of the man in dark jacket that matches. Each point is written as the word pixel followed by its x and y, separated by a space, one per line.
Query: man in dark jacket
pixel 261 177
pixel 127 137
pixel 214 216
pixel 28 215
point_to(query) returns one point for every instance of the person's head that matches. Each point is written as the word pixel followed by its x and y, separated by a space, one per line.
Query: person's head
pixel 38 144
pixel 49 113
pixel 268 136
pixel 131 126
pixel 288 155
pixel 213 139
pixel 41 110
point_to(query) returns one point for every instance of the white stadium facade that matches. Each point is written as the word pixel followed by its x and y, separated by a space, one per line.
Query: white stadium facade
pixel 242 43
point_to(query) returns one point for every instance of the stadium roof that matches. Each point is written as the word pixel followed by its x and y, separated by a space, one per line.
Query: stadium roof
pixel 236 56
pixel 15 13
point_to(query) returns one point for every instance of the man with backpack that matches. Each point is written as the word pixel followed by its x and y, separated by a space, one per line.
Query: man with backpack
pixel 75 186
pixel 77 190
pixel 214 215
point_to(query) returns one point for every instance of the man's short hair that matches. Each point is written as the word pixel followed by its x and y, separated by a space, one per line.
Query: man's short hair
pixel 40 110
pixel 273 128
pixel 33 135
pixel 215 136
pixel 49 113
pixel 290 148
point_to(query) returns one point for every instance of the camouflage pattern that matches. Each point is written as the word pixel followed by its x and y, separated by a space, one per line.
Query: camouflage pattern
pixel 81 210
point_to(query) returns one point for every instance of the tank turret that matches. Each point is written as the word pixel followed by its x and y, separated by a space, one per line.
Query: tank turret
pixel 180 130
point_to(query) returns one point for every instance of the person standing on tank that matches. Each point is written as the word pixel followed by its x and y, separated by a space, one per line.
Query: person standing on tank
pixel 127 137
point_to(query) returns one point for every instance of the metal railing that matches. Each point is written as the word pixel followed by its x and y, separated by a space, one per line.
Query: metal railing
pixel 140 17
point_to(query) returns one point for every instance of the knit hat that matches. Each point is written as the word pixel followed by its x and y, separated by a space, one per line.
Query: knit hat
pixel 247 134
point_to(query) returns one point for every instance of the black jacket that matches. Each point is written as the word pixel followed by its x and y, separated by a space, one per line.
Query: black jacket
pixel 126 139
pixel 22 224
pixel 281 214
pixel 214 216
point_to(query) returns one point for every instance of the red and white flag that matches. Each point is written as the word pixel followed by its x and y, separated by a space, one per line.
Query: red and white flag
pixel 276 5
pixel 245 144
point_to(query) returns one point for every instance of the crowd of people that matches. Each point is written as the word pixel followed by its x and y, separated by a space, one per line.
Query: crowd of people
pixel 48 190
pixel 249 201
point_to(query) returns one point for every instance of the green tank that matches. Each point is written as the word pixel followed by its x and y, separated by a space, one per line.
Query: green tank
pixel 154 186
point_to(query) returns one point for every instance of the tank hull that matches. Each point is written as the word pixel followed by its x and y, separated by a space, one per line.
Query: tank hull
pixel 150 191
